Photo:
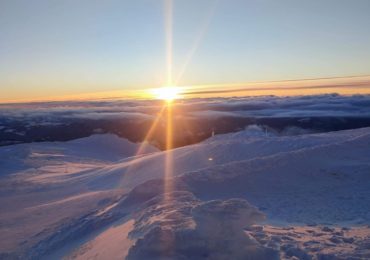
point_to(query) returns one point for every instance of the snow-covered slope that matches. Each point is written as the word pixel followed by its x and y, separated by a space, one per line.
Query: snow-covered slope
pixel 95 148
pixel 221 150
pixel 73 206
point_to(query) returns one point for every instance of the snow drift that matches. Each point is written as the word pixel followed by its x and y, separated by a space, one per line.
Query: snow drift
pixel 232 195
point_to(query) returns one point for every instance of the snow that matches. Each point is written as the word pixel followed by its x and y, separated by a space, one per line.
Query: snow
pixel 88 151
pixel 190 229
pixel 102 247
pixel 324 242
pixel 262 196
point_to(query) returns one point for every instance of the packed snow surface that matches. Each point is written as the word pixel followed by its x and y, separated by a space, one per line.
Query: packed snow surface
pixel 245 195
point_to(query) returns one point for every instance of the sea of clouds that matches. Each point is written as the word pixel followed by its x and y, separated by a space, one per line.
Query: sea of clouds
pixel 261 106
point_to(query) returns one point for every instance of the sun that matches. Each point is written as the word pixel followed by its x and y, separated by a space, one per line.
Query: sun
pixel 168 93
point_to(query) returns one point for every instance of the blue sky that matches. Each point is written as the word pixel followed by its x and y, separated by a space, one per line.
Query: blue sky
pixel 54 47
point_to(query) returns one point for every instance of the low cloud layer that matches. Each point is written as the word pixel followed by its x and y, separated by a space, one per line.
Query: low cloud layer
pixel 195 119
pixel 262 106
pixel 272 106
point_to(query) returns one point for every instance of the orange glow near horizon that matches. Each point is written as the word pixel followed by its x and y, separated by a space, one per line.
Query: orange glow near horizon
pixel 341 85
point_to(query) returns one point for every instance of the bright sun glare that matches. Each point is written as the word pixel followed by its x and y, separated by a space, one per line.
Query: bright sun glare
pixel 167 93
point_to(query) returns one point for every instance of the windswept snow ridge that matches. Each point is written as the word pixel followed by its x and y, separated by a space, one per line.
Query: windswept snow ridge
pixel 246 195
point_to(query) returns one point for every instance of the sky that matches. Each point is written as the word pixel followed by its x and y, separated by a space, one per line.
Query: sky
pixel 52 48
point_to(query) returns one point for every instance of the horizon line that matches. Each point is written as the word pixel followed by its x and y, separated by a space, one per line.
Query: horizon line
pixel 202 90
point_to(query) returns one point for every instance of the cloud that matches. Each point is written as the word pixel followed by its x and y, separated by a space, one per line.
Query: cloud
pixel 62 111
pixel 110 115
pixel 295 106
pixel 289 85
pixel 328 105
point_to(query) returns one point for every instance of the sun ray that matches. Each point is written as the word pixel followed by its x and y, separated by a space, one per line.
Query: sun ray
pixel 151 131
pixel 169 40
pixel 145 141
pixel 200 35
pixel 168 174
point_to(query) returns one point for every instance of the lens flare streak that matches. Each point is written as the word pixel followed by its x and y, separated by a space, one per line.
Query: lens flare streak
pixel 132 166
pixel 200 35
pixel 169 40
pixel 168 170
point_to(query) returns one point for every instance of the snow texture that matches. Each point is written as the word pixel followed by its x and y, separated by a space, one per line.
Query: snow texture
pixel 245 195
